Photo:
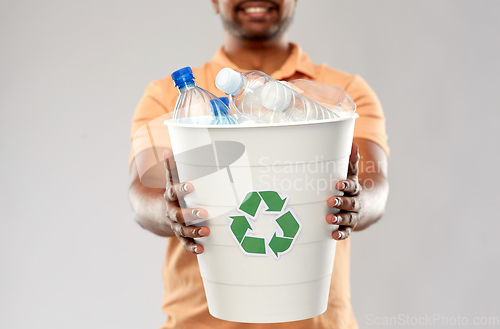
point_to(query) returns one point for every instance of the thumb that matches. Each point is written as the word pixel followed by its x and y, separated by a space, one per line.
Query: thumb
pixel 352 172
pixel 168 159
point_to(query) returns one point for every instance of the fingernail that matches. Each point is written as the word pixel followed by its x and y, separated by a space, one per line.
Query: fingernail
pixel 197 213
pixel 184 187
pixel 195 249
pixel 341 235
pixel 344 186
pixel 337 220
pixel 336 202
pixel 170 193
pixel 200 232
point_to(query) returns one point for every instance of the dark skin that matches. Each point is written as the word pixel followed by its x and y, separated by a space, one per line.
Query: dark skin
pixel 256 43
pixel 256 39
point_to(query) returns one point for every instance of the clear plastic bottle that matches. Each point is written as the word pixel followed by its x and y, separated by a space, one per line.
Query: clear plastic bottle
pixel 335 99
pixel 222 114
pixel 196 105
pixel 262 99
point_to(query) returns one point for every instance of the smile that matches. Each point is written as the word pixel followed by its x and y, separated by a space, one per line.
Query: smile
pixel 257 8
pixel 252 10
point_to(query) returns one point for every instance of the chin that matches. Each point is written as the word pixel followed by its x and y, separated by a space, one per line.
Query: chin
pixel 259 34
pixel 253 30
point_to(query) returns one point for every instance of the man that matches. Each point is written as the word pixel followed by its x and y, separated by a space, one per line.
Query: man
pixel 255 38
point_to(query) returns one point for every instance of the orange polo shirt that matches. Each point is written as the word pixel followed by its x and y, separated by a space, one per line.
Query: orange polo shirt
pixel 184 299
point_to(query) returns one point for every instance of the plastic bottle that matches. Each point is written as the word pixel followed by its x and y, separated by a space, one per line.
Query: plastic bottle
pixel 262 99
pixel 222 114
pixel 335 99
pixel 196 105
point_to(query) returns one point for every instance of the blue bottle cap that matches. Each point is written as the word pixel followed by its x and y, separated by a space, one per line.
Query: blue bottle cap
pixel 219 107
pixel 183 75
pixel 225 100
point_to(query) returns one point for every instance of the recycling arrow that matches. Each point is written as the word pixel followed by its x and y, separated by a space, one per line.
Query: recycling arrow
pixel 272 200
pixel 253 245
pixel 284 236
pixel 250 203
pixel 288 224
pixel 279 245
pixel 239 227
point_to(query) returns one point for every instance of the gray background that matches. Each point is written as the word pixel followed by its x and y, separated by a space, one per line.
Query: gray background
pixel 72 72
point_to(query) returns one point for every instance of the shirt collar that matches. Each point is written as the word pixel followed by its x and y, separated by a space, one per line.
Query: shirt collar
pixel 298 61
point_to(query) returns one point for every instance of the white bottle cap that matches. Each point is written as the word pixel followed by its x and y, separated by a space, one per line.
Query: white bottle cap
pixel 276 96
pixel 229 81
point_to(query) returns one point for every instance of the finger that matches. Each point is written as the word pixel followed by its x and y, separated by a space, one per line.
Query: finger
pixel 350 219
pixel 353 161
pixel 175 191
pixel 347 203
pixel 342 233
pixel 183 215
pixel 191 246
pixel 185 234
pixel 171 167
pixel 183 231
pixel 172 177
pixel 174 213
pixel 349 186
pixel 190 214
pixel 168 159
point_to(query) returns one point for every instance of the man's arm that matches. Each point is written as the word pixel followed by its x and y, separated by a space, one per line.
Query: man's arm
pixel 148 205
pixel 159 211
pixel 372 176
pixel 365 190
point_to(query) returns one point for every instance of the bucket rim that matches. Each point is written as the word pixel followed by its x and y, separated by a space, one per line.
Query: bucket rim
pixel 170 122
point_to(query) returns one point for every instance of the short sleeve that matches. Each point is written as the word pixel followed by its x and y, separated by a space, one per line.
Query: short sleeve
pixel 371 122
pixel 156 103
pixel 149 136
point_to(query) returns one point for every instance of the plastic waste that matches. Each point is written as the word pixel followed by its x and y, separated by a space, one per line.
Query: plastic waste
pixel 333 98
pixel 196 105
pixel 260 98
pixel 222 115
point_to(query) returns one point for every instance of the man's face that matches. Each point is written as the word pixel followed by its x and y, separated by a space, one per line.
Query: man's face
pixel 255 20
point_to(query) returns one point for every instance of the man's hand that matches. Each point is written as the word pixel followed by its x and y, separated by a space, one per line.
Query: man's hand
pixel 177 215
pixel 158 210
pixel 350 203
pixel 359 208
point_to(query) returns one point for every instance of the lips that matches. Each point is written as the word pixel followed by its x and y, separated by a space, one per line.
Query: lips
pixel 256 8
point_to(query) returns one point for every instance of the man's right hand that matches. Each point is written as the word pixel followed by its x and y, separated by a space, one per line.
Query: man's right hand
pixel 177 214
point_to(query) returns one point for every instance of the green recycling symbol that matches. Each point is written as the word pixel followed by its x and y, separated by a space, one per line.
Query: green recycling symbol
pixel 284 236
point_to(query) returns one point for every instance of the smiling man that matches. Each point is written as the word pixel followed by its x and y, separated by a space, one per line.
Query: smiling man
pixel 255 38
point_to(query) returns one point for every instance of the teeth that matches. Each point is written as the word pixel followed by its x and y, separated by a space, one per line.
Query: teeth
pixel 255 10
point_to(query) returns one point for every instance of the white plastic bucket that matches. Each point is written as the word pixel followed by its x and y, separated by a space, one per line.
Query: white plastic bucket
pixel 282 274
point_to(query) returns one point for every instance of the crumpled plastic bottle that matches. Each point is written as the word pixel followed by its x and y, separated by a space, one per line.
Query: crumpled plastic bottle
pixel 333 98
pixel 262 99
